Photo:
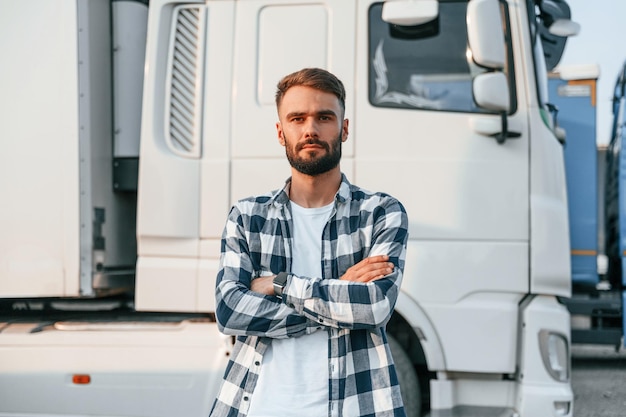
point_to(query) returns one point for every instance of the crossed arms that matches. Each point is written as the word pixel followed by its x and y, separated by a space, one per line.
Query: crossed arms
pixel 362 295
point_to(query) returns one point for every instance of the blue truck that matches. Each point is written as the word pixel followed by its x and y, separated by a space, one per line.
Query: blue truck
pixel 596 187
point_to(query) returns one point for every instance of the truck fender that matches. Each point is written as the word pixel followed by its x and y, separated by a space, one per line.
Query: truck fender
pixel 411 311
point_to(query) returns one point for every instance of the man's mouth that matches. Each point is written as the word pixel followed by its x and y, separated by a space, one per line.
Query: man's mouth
pixel 311 144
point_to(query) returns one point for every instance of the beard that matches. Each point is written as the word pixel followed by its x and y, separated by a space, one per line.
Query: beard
pixel 314 165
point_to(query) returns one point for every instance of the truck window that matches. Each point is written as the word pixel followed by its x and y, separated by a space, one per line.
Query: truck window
pixel 534 19
pixel 427 66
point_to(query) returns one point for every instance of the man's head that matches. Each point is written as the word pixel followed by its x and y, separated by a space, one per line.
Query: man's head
pixel 311 127
pixel 316 78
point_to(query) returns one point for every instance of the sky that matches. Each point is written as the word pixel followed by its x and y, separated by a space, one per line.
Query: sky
pixel 601 41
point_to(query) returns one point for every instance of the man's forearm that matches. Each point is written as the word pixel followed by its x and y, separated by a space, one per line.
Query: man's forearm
pixel 344 304
pixel 369 269
pixel 240 311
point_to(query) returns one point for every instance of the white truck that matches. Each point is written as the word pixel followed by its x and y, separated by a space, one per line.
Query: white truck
pixel 129 129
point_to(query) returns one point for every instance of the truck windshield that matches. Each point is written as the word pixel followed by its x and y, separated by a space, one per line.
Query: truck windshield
pixel 424 67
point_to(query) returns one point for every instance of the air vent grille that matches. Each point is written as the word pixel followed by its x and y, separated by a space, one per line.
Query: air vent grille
pixel 185 82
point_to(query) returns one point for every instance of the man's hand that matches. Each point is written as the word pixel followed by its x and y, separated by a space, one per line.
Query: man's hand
pixel 263 285
pixel 369 269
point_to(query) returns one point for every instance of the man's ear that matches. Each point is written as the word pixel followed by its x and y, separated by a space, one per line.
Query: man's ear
pixel 344 130
pixel 279 132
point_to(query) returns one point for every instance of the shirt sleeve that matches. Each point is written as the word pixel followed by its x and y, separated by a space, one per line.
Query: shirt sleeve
pixel 352 305
pixel 240 311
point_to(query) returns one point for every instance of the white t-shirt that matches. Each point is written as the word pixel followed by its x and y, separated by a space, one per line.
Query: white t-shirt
pixel 294 375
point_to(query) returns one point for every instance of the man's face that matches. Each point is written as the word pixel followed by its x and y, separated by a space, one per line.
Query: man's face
pixel 311 128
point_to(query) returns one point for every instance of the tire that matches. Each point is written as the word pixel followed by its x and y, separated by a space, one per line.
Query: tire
pixel 407 376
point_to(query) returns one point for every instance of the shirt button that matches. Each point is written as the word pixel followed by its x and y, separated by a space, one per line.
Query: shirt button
pixel 320 320
pixel 257 363
pixel 245 398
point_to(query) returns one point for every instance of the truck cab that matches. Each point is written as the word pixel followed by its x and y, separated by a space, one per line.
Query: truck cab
pixel 127 168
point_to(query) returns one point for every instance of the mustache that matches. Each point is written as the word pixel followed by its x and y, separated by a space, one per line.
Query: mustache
pixel 312 141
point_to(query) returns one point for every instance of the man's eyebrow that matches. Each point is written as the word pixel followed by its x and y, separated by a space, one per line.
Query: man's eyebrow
pixel 295 114
pixel 327 112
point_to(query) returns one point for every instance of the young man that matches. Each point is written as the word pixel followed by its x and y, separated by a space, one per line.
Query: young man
pixel 309 276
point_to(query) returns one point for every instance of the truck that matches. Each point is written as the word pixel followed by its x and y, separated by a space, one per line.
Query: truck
pixel 596 205
pixel 129 129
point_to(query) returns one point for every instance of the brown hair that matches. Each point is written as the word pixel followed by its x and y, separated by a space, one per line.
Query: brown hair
pixel 315 78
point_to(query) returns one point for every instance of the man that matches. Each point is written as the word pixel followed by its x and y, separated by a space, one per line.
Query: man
pixel 309 276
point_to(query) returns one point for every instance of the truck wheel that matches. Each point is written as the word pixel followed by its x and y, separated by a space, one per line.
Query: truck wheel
pixel 409 384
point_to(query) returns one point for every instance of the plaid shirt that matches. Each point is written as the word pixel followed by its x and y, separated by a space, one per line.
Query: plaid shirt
pixel 257 241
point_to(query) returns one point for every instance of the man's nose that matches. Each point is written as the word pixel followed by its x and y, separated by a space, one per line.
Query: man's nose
pixel 311 127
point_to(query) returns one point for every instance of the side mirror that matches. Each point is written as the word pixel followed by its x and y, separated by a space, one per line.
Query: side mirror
pixel 491 91
pixel 564 28
pixel 553 28
pixel 484 33
pixel 410 12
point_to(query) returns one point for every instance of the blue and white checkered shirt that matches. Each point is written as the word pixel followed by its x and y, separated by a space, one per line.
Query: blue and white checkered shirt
pixel 257 241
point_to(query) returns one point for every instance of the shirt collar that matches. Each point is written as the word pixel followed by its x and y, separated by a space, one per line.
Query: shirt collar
pixel 342 196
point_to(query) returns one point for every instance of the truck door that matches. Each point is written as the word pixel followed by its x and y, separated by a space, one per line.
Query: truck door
pixel 421 137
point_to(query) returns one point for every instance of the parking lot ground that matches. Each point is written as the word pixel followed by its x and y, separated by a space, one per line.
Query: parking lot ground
pixel 599 381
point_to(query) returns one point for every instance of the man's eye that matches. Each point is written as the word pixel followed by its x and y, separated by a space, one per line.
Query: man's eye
pixel 325 118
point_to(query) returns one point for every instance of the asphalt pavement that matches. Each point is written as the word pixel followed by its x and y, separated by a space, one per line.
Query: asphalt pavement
pixel 599 381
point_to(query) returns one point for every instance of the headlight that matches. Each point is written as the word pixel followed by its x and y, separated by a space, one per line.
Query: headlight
pixel 555 354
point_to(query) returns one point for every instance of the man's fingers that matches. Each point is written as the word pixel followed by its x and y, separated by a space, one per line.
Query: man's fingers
pixel 369 269
pixel 377 273
pixel 367 263
pixel 379 258
pixel 369 272
pixel 372 260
